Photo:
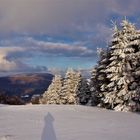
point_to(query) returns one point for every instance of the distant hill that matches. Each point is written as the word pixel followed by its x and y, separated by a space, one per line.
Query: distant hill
pixel 25 85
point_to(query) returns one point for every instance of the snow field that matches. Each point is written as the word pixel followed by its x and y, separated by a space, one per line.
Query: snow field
pixel 66 122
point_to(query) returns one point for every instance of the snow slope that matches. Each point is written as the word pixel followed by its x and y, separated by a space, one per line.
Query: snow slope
pixel 52 122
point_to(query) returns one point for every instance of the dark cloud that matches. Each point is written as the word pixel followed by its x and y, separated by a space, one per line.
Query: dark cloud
pixel 29 46
pixel 76 19
pixel 60 16
pixel 59 49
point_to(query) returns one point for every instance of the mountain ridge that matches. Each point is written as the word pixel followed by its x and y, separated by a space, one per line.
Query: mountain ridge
pixel 25 84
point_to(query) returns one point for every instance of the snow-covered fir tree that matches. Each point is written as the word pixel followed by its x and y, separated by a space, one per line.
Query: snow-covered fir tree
pixel 122 89
pixel 70 85
pixel 52 95
pixel 99 79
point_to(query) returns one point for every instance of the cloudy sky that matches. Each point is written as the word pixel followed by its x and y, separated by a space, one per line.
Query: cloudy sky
pixel 40 35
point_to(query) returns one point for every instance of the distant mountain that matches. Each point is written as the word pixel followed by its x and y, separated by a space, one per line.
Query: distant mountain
pixel 25 85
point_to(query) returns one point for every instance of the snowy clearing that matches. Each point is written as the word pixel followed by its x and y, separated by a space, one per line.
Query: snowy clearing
pixel 65 122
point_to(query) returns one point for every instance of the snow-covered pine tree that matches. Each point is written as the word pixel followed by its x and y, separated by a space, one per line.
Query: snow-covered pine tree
pixel 99 81
pixel 70 85
pixel 122 93
pixel 52 95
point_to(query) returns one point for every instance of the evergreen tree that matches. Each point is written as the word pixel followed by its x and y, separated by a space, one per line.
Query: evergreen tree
pixel 83 92
pixel 99 79
pixel 70 85
pixel 52 95
pixel 122 92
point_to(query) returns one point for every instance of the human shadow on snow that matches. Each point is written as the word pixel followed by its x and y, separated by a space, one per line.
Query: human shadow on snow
pixel 48 131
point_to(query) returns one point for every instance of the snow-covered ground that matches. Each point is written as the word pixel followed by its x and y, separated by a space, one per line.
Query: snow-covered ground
pixel 52 122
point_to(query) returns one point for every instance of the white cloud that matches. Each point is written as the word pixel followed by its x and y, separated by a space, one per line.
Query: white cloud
pixel 5 64
pixel 10 63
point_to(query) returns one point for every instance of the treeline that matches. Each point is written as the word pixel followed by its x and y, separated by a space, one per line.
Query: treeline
pixel 11 100
pixel 73 89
